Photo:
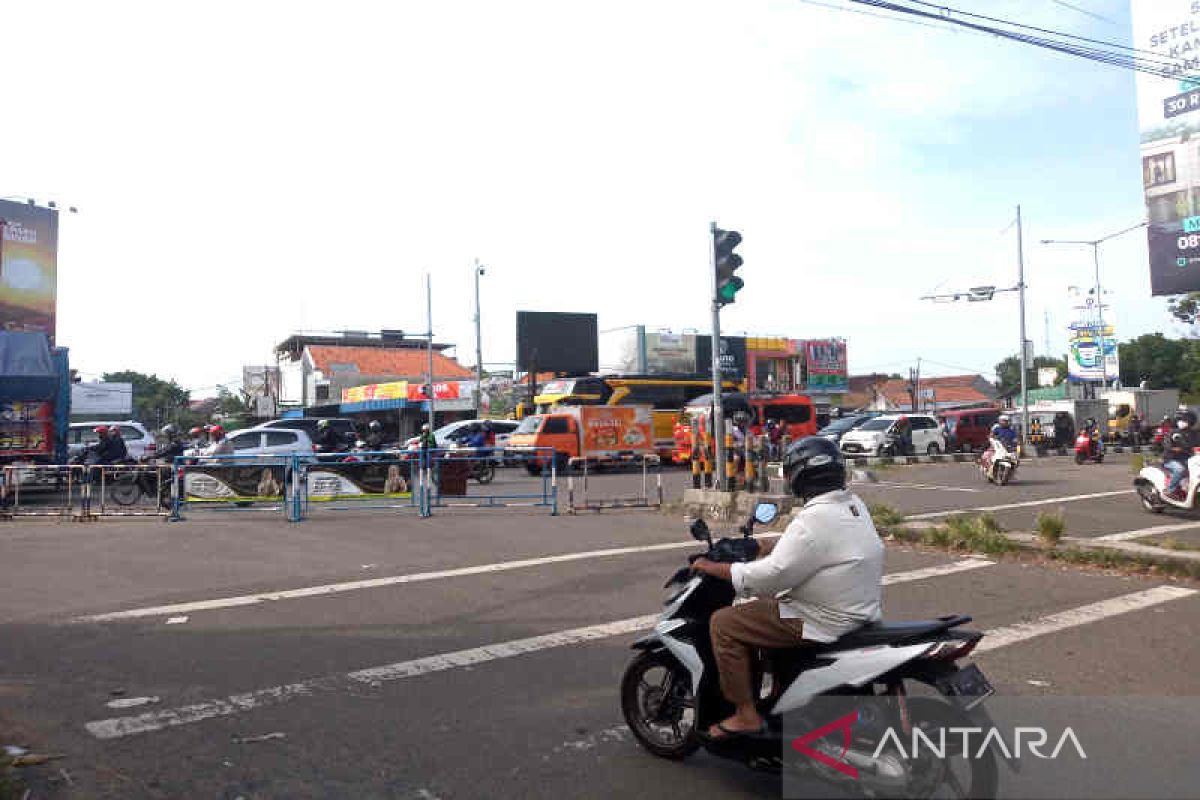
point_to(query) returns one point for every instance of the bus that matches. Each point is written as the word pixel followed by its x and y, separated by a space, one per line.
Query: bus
pixel 667 395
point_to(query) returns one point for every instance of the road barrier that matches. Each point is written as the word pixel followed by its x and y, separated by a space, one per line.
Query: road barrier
pixel 643 500
pixel 449 474
pixel 237 483
pixel 373 480
pixel 83 492
pixel 41 490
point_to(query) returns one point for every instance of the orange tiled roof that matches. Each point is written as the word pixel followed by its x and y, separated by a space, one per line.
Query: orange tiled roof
pixel 401 362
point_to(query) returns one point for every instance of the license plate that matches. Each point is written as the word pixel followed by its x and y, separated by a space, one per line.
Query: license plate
pixel 969 686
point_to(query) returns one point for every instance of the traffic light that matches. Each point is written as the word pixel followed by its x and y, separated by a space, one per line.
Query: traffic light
pixel 727 262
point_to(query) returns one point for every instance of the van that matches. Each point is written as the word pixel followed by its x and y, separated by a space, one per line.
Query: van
pixel 968 429
pixel 596 434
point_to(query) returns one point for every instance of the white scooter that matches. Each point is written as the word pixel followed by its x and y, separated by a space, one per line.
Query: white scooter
pixel 1151 485
pixel 998 464
pixel 670 693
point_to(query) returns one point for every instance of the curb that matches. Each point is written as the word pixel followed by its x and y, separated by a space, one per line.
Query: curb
pixel 961 458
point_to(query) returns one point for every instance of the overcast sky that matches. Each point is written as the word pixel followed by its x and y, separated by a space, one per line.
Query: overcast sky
pixel 244 170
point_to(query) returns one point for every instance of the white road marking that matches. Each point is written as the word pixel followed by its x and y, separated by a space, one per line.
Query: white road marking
pixel 177 620
pixel 185 715
pixel 375 583
pixel 1141 533
pixel 892 485
pixel 1026 504
pixel 1010 634
pixel 131 702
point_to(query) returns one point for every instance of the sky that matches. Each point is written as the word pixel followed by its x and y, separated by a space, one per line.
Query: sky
pixel 247 170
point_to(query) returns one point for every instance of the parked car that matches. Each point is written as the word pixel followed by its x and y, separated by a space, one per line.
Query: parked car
pixel 842 425
pixel 271 441
pixel 138 441
pixel 342 426
pixel 969 428
pixel 874 436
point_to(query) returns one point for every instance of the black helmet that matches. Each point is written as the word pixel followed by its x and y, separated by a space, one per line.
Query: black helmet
pixel 1186 415
pixel 814 465
pixel 375 425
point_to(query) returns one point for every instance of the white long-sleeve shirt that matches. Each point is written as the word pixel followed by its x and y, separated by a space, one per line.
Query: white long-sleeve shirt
pixel 826 569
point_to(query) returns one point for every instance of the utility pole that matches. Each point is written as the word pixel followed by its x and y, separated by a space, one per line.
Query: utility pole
pixel 478 348
pixel 1024 349
pixel 429 344
pixel 718 412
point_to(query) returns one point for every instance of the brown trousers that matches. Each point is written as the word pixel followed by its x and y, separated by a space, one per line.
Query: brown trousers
pixel 737 631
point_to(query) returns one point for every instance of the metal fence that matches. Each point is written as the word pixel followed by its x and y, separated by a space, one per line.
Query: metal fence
pixel 81 492
pixel 231 483
pixel 384 480
pixel 650 467
pixel 474 478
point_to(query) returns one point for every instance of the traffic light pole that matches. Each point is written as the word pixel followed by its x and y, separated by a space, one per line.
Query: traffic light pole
pixel 718 412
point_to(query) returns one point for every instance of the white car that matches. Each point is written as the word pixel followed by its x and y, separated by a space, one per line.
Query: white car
pixel 138 441
pixel 453 434
pixel 873 437
pixel 270 442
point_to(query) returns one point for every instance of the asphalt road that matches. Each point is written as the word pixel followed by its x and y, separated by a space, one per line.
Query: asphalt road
pixel 409 658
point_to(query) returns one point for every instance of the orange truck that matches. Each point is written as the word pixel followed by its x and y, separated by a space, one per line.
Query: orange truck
pixel 593 434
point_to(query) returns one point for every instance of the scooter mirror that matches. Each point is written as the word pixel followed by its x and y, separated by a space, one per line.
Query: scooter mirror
pixel 700 532
pixel 765 513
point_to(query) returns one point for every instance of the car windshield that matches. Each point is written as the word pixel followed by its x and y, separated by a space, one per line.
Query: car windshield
pixel 529 425
pixel 840 426
pixel 879 424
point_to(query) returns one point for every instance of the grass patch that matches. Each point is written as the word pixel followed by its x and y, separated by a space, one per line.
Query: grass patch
pixel 884 516
pixel 1171 543
pixel 1127 562
pixel 1050 527
pixel 974 534
pixel 1137 462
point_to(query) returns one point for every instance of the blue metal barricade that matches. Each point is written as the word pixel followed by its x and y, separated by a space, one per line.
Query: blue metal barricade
pixel 371 480
pixel 237 483
pixel 476 478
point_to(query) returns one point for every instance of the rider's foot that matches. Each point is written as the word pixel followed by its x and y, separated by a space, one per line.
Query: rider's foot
pixel 737 725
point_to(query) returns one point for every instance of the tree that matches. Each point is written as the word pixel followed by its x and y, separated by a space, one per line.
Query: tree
pixel 1161 362
pixel 1186 309
pixel 155 401
pixel 1009 372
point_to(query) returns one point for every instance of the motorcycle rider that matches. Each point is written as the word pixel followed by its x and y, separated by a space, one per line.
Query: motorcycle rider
pixel 820 580
pixel 198 439
pixel 117 451
pixel 327 438
pixel 1179 447
pixel 1093 433
pixel 374 438
pixel 218 445
pixel 175 446
pixel 1003 432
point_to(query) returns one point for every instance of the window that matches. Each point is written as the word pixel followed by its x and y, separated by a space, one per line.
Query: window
pixel 322 391
pixel 557 425
pixel 923 424
pixel 792 415
pixel 129 432
pixel 657 395
pixel 280 438
pixel 247 441
pixel 529 425
pixel 1158 170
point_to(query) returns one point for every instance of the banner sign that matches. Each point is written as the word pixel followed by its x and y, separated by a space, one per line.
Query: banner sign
pixel 28 267
pixel 1169 116
pixel 825 360
pixel 732 357
pixel 358 479
pixel 612 430
pixel 223 482
pixel 669 353
pixel 88 399
pixel 26 429
pixel 445 390
pixel 1092 353
pixel 397 390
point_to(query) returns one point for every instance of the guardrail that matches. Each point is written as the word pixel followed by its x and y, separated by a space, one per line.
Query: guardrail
pixel 450 473
pixel 82 492
pixel 642 500
pixel 237 483
pixel 377 479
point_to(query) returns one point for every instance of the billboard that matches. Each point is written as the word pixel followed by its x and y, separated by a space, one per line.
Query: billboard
pixel 551 341
pixel 1169 116
pixel 1092 344
pixel 88 399
pixel 28 267
pixel 670 353
pixel 825 362
pixel 732 357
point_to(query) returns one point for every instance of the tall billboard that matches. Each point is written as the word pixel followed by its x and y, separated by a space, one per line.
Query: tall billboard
pixel 732 357
pixel 1169 115
pixel 551 341
pixel 826 365
pixel 1092 352
pixel 28 267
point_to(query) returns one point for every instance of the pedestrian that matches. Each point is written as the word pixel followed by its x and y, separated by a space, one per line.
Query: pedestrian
pixel 1135 430
pixel 902 432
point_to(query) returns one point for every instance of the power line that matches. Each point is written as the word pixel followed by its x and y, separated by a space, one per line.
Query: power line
pixel 1084 11
pixel 866 13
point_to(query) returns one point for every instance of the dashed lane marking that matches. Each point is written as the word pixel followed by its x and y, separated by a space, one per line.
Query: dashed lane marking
pixel 1027 504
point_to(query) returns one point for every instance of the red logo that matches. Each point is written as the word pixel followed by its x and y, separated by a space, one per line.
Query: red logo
pixel 843 724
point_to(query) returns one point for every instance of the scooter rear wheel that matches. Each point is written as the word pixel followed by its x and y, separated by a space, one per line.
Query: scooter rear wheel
pixel 933 777
pixel 1150 499
pixel 658 705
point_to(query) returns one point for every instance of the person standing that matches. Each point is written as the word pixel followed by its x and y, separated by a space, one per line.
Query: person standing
pixel 1135 430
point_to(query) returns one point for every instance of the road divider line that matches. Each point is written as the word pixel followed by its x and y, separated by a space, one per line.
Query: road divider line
pixel 118 727
pixel 894 485
pixel 1026 504
pixel 1011 634
pixel 1142 533
pixel 375 583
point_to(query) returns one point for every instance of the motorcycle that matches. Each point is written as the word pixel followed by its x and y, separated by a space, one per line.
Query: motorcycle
pixel 670 692
pixel 1151 485
pixel 998 464
pixel 1088 448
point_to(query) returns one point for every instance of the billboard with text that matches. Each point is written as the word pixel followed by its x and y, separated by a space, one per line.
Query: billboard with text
pixel 28 267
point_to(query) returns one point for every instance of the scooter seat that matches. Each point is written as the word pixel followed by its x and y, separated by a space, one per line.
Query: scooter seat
pixel 874 634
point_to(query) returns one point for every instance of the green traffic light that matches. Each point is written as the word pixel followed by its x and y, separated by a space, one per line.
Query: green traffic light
pixel 727 290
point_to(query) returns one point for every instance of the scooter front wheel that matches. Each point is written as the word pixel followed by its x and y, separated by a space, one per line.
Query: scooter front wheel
pixel 1150 499
pixel 658 705
pixel 1080 458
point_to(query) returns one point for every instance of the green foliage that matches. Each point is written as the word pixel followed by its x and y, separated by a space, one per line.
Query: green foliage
pixel 975 534
pixel 1050 526
pixel 1186 309
pixel 884 515
pixel 1161 362
pixel 155 401
pixel 1008 372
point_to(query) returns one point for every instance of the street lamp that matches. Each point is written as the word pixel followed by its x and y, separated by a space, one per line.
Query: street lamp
pixel 1095 245
pixel 479 271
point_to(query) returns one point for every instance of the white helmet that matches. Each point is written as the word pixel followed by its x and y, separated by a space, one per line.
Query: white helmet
pixel 1004 419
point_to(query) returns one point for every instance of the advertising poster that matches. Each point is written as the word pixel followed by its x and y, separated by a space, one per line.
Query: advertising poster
pixel 396 390
pixel 825 360
pixel 28 267
pixel 25 429
pixel 92 398
pixel 359 480
pixel 732 357
pixel 1092 344
pixel 222 482
pixel 1169 117
pixel 612 430
pixel 670 353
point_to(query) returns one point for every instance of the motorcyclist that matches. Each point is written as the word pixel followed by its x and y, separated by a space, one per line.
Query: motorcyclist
pixel 1179 446
pixel 327 439
pixel 218 445
pixel 197 439
pixel 172 445
pixel 374 437
pixel 477 438
pixel 117 451
pixel 819 581
pixel 1093 433
pixel 99 451
pixel 1003 432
